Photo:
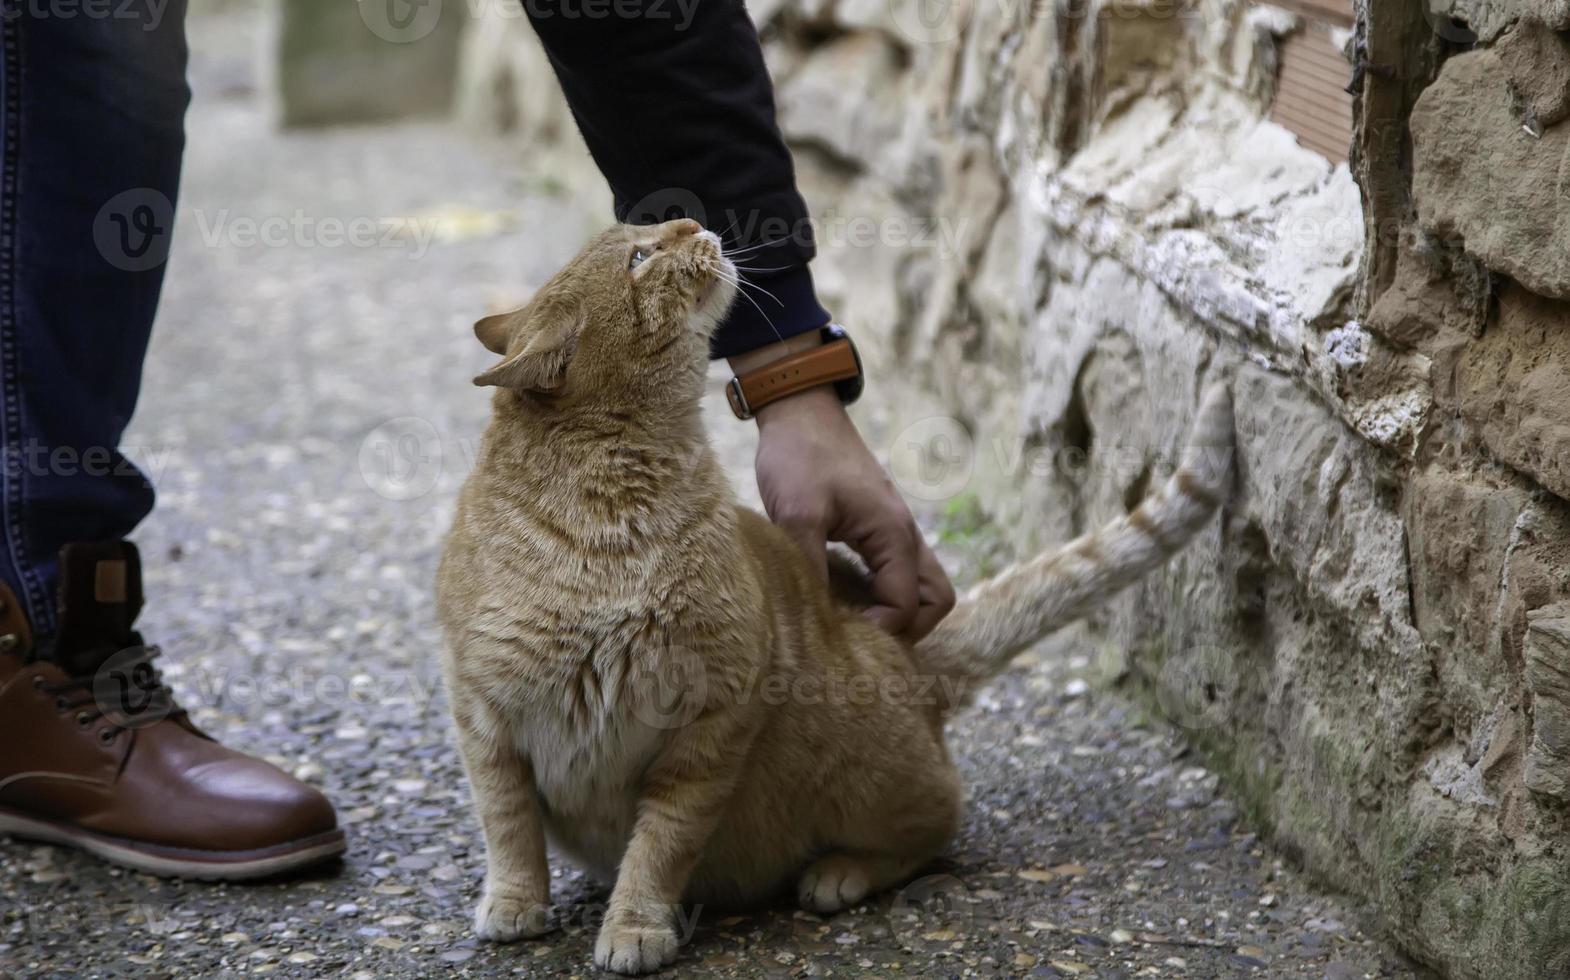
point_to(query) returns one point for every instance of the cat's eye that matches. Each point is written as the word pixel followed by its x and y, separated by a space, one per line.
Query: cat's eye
pixel 638 258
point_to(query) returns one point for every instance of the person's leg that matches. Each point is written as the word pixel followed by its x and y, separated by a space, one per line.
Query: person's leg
pixel 94 752
pixel 92 108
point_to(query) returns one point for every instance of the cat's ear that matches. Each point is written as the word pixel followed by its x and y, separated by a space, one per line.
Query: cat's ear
pixel 550 339
pixel 495 330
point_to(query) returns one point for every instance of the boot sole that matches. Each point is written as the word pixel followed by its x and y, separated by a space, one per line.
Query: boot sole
pixel 179 862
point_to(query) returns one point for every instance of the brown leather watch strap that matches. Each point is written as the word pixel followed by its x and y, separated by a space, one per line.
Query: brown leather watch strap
pixel 834 361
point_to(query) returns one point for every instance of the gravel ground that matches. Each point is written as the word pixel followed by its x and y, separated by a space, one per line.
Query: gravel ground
pixel 308 415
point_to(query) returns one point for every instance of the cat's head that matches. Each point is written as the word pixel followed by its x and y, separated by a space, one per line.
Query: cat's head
pixel 628 319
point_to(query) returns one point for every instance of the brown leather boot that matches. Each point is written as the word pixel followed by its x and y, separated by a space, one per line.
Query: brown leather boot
pixel 95 754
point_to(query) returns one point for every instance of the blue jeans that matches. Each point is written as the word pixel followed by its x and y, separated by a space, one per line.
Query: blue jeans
pixel 92 109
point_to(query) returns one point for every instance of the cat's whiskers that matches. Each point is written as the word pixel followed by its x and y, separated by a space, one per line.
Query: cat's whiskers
pixel 749 249
pixel 748 282
pixel 718 274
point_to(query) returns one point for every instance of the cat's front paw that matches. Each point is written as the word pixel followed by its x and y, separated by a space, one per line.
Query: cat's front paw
pixel 507 918
pixel 631 947
pixel 833 884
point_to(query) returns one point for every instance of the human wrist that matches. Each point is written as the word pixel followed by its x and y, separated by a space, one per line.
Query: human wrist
pixel 822 404
pixel 819 406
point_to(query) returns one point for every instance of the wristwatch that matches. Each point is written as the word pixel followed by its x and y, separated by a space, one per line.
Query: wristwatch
pixel 834 362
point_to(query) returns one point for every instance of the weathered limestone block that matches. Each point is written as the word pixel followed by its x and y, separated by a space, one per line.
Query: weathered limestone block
pixel 1537 59
pixel 974 194
pixel 1312 488
pixel 1317 248
pixel 1534 574
pixel 1465 21
pixel 1256 167
pixel 1385 393
pixel 985 53
pixel 1145 39
pixel 1457 567
pixel 1415 308
pixel 1190 151
pixel 1436 299
pixel 848 97
pixel 1122 143
pixel 365 61
pixel 866 238
pixel 1479 180
pixel 1095 297
pixel 1117 398
pixel 1511 385
pixel 1548 679
pixel 1182 177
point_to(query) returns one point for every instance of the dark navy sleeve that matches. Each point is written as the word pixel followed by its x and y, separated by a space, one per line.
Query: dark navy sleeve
pixel 677 108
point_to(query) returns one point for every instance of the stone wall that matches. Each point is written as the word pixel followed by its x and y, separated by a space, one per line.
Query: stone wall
pixel 1057 221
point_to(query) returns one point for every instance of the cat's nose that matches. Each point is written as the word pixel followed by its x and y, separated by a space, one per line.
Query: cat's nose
pixel 681 228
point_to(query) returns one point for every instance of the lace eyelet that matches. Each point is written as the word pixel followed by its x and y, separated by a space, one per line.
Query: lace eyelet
pixel 38 682
pixel 61 704
pixel 83 719
pixel 107 735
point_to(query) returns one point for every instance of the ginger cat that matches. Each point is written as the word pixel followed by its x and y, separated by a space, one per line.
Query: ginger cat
pixel 652 678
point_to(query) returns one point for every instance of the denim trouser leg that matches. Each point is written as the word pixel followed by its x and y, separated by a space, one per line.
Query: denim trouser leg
pixel 92 106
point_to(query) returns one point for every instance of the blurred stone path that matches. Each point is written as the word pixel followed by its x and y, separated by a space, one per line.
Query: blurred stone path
pixel 307 415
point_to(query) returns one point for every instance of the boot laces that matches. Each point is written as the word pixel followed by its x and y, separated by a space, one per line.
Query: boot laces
pixel 127 691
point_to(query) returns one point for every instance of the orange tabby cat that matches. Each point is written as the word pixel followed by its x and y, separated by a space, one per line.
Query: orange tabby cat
pixel 652 677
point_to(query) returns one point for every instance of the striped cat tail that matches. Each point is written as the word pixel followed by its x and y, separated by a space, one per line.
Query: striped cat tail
pixel 1001 617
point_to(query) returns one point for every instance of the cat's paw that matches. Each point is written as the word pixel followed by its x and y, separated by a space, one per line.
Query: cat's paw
pixel 634 947
pixel 508 918
pixel 832 884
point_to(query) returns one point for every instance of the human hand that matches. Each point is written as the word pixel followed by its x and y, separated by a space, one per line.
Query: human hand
pixel 820 483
